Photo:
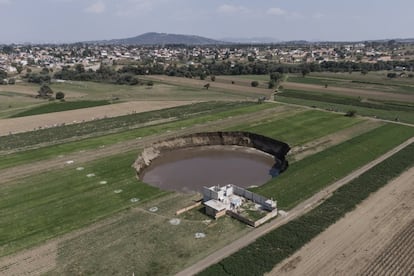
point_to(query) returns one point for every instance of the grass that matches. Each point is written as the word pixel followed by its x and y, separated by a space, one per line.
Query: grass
pixel 262 255
pixel 120 123
pixel 53 203
pixel 392 115
pixel 61 106
pixel 44 153
pixel 144 243
pixel 308 176
pixel 343 100
pixel 300 128
pixel 159 91
pixel 372 81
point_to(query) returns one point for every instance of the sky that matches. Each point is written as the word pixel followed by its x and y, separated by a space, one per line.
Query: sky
pixel 41 21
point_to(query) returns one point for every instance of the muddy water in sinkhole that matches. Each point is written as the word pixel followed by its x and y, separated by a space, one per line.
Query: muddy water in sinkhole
pixel 188 170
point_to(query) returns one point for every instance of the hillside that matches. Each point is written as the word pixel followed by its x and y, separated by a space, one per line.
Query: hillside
pixel 153 38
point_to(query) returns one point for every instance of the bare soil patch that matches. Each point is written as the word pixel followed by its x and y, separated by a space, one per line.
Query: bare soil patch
pixel 376 238
pixel 29 123
pixel 370 94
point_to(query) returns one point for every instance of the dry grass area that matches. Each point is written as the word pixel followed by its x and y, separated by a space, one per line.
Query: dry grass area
pixel 375 239
pixel 237 87
pixel 363 93
pixel 138 241
pixel 29 123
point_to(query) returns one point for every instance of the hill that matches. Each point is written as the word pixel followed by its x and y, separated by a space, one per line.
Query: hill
pixel 153 38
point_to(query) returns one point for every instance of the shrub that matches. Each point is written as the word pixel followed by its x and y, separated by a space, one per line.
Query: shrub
pixel 254 83
pixel 60 95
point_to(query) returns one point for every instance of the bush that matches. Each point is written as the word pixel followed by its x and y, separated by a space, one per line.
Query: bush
pixel 254 83
pixel 350 113
pixel 60 95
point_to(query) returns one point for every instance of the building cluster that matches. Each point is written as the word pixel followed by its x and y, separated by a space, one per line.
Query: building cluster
pixel 14 57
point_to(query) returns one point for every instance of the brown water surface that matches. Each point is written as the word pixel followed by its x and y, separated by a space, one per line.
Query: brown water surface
pixel 188 170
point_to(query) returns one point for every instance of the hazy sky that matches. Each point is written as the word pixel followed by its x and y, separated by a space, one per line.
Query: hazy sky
pixel 80 20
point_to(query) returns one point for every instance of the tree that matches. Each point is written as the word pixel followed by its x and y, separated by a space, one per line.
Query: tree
pixel 12 81
pixel 207 86
pixel 213 78
pixel 272 84
pixel 350 113
pixel 276 77
pixel 305 70
pixel 391 75
pixel 254 83
pixel 60 95
pixel 3 75
pixel 44 92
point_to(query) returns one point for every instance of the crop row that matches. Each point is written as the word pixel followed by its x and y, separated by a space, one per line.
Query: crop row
pixel 61 106
pixel 94 128
pixel 263 254
pixel 346 101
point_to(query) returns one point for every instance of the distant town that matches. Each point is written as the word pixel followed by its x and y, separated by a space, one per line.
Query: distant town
pixel 217 59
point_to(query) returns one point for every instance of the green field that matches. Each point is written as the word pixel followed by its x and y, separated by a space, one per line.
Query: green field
pixel 130 238
pixel 306 177
pixel 269 250
pixel 382 112
pixel 300 128
pixel 49 204
pixel 110 125
pixel 61 106
pixel 43 153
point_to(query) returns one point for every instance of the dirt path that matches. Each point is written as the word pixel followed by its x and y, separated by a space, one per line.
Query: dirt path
pixel 356 244
pixel 371 94
pixel 10 174
pixel 299 210
pixel 29 123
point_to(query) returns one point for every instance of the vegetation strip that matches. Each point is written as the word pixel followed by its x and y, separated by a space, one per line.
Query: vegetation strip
pixel 57 107
pixel 351 101
pixel 307 176
pixel 262 255
pixel 47 152
pixel 94 128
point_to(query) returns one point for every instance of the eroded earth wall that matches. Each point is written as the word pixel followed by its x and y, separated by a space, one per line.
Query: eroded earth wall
pixel 245 139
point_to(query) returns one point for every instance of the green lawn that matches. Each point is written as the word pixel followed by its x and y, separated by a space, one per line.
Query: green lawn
pixel 49 204
pixel 306 177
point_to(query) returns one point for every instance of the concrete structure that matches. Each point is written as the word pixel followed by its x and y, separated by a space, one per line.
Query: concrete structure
pixel 221 200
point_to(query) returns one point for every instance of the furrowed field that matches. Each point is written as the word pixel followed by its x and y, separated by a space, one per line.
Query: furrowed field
pixel 97 214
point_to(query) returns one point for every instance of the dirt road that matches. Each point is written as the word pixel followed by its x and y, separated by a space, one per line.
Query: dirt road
pixel 375 239
pixel 29 123
pixel 299 210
